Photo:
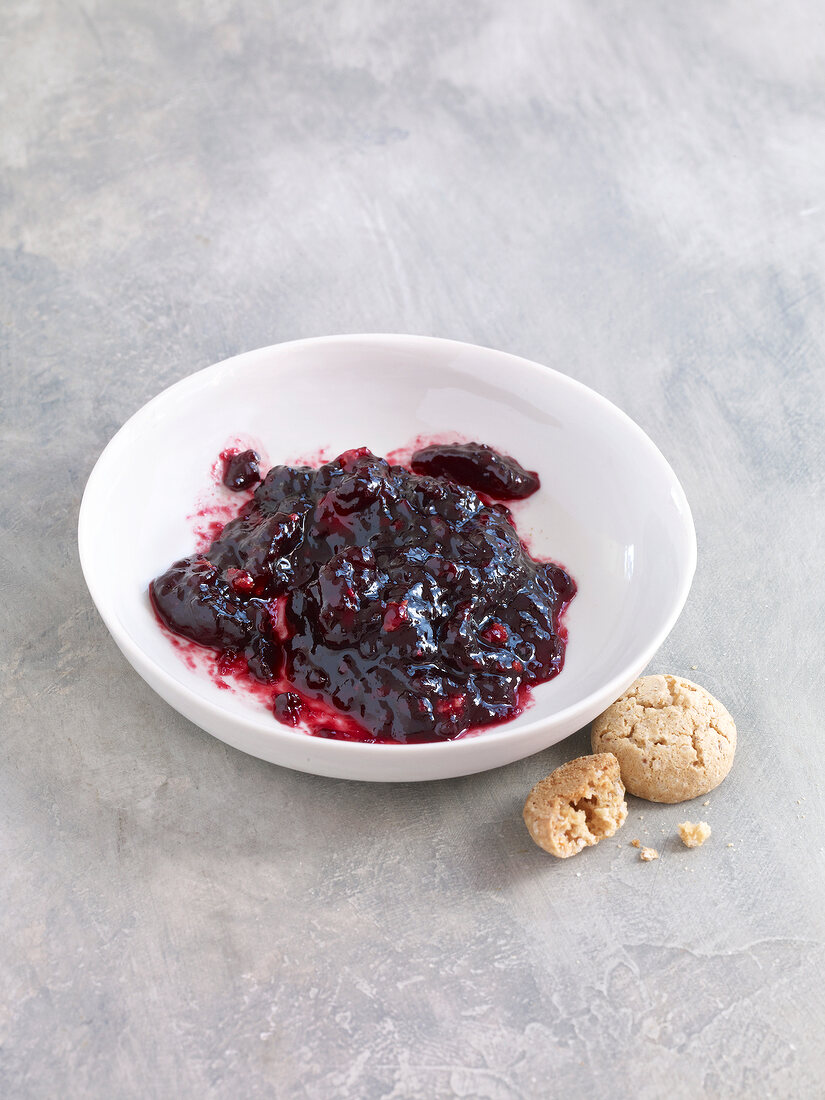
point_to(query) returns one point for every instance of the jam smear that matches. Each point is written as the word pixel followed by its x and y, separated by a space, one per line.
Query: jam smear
pixel 379 604
pixel 478 467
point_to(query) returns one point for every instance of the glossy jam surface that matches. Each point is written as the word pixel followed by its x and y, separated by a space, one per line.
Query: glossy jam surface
pixel 241 469
pixel 478 467
pixel 377 603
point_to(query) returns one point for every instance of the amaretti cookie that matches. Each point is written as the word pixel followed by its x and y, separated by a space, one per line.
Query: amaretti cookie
pixel 672 739
pixel 577 805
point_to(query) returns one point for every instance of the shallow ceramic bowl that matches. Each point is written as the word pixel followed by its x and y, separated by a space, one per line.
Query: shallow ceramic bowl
pixel 610 510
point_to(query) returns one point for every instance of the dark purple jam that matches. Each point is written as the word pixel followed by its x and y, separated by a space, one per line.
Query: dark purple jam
pixel 478 467
pixel 379 604
pixel 241 470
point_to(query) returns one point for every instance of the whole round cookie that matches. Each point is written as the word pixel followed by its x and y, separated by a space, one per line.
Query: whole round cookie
pixel 672 739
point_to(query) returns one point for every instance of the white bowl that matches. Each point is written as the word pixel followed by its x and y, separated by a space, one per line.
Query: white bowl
pixel 610 510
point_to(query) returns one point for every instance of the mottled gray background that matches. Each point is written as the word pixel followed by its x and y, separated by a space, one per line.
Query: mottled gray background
pixel 632 193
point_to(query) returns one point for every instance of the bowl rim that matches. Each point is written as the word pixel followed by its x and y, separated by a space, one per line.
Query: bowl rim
pixel 603 695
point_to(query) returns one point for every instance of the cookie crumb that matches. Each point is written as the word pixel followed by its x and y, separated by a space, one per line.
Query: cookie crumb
pixel 706 803
pixel 730 845
pixel 636 843
pixel 694 835
pixel 648 854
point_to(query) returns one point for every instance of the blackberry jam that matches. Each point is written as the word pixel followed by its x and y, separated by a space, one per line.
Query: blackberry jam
pixel 478 467
pixel 379 603
pixel 240 470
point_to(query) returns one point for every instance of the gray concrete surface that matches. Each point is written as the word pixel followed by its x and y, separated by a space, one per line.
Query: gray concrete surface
pixel 634 194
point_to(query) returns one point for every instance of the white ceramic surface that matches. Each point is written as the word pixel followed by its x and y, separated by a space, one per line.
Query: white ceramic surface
pixel 610 509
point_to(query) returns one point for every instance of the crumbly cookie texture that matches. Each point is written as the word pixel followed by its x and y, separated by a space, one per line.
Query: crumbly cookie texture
pixel 577 805
pixel 647 855
pixel 694 835
pixel 672 739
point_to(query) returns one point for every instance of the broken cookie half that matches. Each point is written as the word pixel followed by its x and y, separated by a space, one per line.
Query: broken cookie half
pixel 577 805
